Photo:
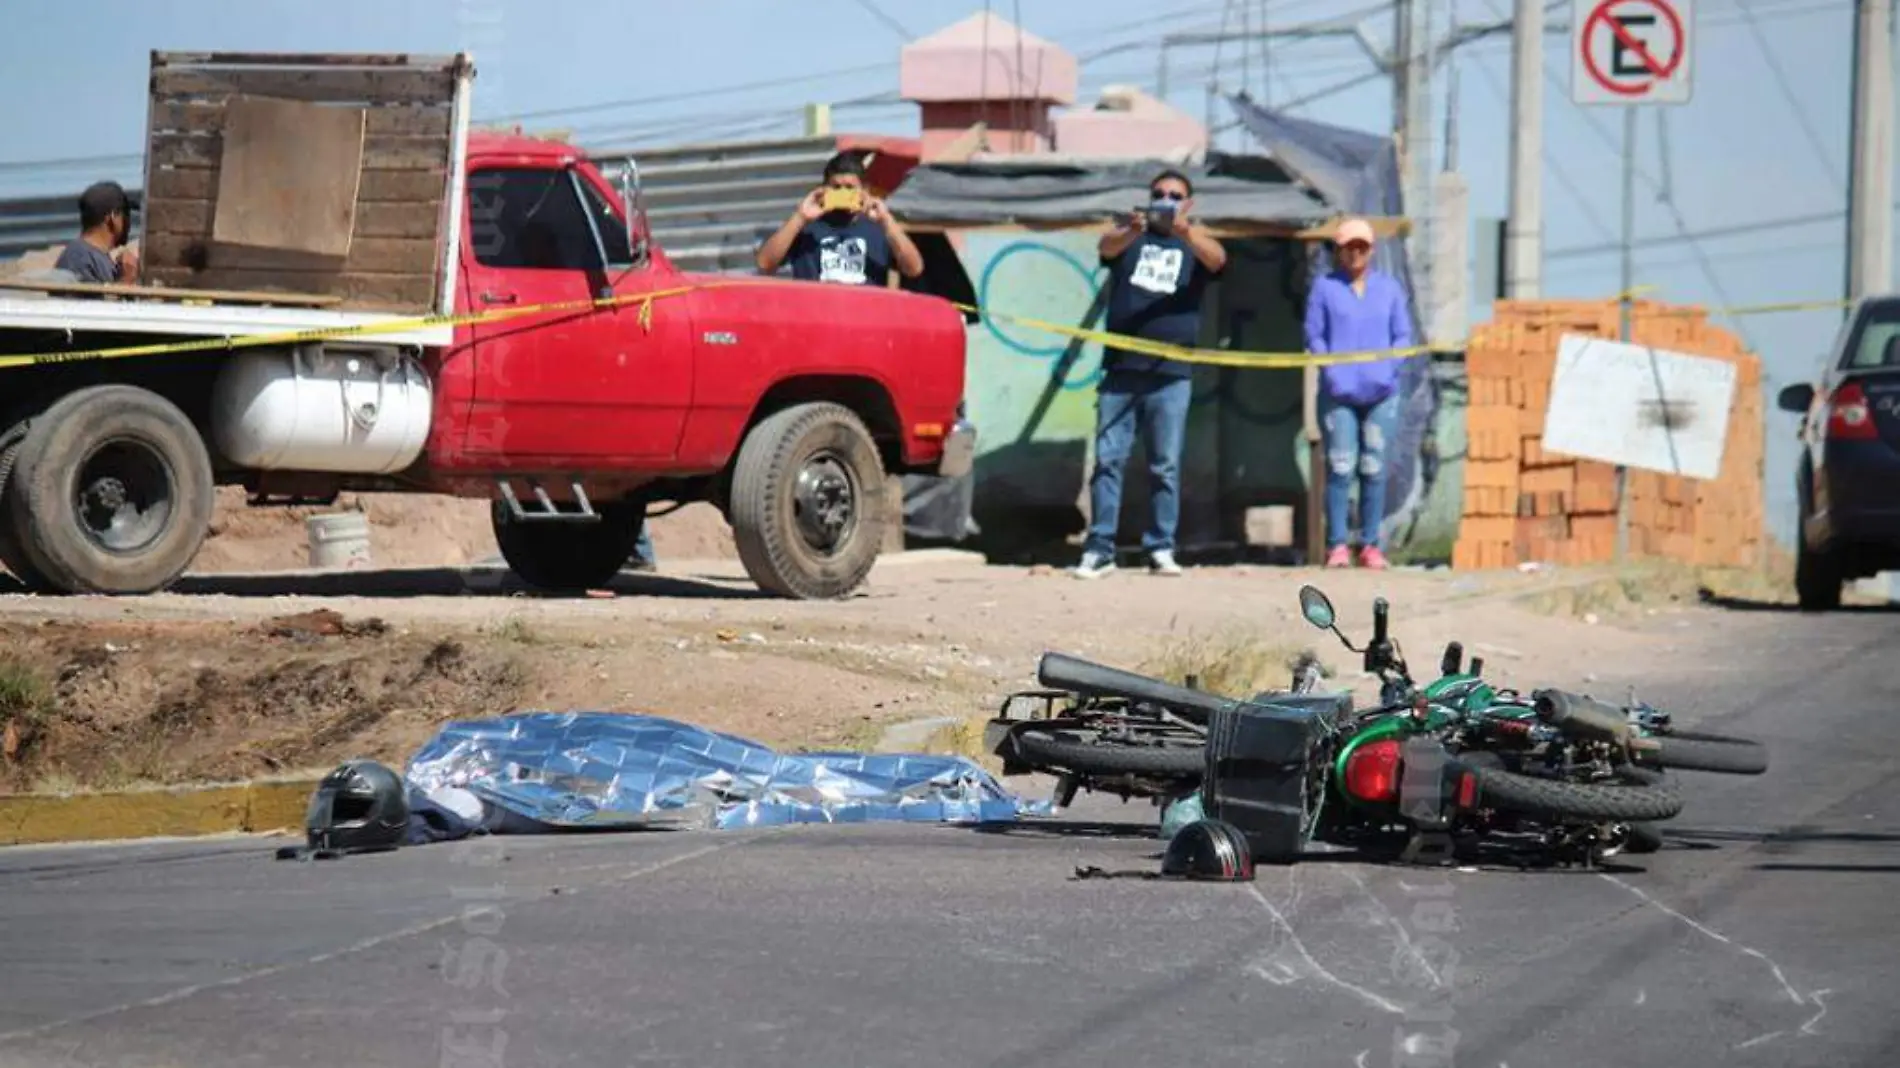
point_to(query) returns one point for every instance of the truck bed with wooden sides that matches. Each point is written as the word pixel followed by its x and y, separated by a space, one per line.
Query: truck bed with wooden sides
pixel 343 288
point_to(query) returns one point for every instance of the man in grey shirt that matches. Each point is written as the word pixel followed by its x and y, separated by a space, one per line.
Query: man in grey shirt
pixel 105 220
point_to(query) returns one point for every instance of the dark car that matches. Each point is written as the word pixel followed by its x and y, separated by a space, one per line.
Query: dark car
pixel 1848 479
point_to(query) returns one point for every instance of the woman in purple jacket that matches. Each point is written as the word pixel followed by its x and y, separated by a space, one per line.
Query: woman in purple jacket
pixel 1355 308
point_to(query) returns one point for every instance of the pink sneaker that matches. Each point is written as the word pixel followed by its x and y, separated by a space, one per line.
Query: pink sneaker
pixel 1339 557
pixel 1370 557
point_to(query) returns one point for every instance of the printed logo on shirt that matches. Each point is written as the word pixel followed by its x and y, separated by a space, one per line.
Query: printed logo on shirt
pixel 841 259
pixel 1159 269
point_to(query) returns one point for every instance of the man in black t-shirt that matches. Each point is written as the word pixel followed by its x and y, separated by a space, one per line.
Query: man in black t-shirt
pixel 1159 262
pixel 856 242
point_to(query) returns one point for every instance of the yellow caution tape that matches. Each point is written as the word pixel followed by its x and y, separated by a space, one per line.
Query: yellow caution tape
pixel 1144 346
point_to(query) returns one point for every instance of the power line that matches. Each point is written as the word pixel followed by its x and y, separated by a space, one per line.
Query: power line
pixel 1787 93
pixel 1490 80
pixel 1707 234
pixel 882 16
pixel 694 94
pixel 1682 229
pixel 1573 270
pixel 1695 246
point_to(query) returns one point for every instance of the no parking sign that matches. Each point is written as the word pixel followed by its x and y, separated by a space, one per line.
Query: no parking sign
pixel 1631 51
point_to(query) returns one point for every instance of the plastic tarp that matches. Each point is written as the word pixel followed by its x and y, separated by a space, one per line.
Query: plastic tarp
pixel 545 771
pixel 1230 189
pixel 1355 170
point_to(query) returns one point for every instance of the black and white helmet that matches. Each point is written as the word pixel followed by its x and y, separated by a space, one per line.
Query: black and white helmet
pixel 1209 849
pixel 361 807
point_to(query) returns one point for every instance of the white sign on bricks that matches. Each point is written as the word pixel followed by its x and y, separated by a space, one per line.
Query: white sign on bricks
pixel 1638 406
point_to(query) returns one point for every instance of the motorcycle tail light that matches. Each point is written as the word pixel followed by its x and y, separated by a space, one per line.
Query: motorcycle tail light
pixel 1467 790
pixel 1372 771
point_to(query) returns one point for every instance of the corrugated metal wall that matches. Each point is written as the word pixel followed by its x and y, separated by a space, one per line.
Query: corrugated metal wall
pixel 710 205
pixel 28 223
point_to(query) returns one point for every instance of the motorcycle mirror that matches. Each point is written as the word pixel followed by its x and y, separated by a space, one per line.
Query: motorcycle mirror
pixel 1316 608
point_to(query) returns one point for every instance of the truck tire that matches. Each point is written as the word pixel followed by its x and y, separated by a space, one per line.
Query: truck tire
pixel 111 493
pixel 566 556
pixel 807 503
pixel 11 557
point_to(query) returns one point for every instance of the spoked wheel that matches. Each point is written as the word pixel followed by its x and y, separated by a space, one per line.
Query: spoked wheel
pixel 1089 753
pixel 1701 751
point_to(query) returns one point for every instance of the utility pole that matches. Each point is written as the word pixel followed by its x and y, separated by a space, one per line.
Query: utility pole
pixel 1870 187
pixel 1524 229
pixel 1412 110
pixel 1626 282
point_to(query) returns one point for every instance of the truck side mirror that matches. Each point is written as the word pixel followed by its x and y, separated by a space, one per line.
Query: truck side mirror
pixel 630 207
pixel 1797 398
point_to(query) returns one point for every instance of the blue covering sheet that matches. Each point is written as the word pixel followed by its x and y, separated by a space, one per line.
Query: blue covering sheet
pixel 543 771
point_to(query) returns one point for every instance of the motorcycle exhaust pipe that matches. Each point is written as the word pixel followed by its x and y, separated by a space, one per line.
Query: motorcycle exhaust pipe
pixel 1581 717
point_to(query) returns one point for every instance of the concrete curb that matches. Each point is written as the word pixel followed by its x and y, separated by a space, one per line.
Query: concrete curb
pixel 35 819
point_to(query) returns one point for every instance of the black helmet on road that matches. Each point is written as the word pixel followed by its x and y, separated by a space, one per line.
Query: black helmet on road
pixel 361 807
pixel 1209 849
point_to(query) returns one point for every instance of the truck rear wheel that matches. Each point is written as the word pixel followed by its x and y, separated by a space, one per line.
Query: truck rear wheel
pixel 111 492
pixel 569 555
pixel 11 557
pixel 807 506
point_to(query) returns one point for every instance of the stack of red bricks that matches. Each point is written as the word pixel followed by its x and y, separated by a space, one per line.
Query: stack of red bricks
pixel 1523 504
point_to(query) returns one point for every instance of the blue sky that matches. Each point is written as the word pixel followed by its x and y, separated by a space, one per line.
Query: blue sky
pixel 1744 150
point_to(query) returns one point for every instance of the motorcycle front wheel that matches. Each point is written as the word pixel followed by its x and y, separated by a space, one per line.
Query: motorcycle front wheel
pixel 1554 799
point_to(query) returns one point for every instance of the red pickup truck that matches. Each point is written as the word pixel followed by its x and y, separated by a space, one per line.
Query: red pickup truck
pixel 787 404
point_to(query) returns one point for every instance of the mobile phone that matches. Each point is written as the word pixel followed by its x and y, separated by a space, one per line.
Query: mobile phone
pixel 1161 218
pixel 843 200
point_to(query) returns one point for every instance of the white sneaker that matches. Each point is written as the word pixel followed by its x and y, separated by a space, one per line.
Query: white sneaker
pixel 1162 563
pixel 1094 565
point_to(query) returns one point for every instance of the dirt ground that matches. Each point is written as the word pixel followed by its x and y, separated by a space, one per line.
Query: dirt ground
pixel 413 531
pixel 235 676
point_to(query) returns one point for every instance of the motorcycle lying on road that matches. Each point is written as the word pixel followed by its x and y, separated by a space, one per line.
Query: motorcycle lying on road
pixel 1442 769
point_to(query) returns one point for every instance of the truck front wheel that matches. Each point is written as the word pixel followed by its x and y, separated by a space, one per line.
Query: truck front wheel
pixel 807 502
pixel 569 555
pixel 111 492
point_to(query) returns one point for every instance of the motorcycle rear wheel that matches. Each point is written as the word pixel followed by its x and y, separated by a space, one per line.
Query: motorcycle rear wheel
pixel 1094 756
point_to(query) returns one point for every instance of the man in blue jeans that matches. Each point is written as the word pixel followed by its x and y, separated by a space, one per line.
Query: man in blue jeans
pixel 1355 308
pixel 1159 262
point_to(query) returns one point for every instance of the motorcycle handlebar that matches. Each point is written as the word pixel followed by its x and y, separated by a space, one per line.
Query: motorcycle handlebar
pixel 1453 660
pixel 1580 716
pixel 1061 671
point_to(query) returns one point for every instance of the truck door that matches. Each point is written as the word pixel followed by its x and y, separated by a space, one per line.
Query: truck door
pixel 578 387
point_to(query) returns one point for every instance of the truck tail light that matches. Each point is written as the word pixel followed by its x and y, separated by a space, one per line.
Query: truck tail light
pixel 1848 416
pixel 1372 771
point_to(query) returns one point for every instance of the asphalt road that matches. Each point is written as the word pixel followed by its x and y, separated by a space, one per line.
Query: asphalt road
pixel 1760 936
